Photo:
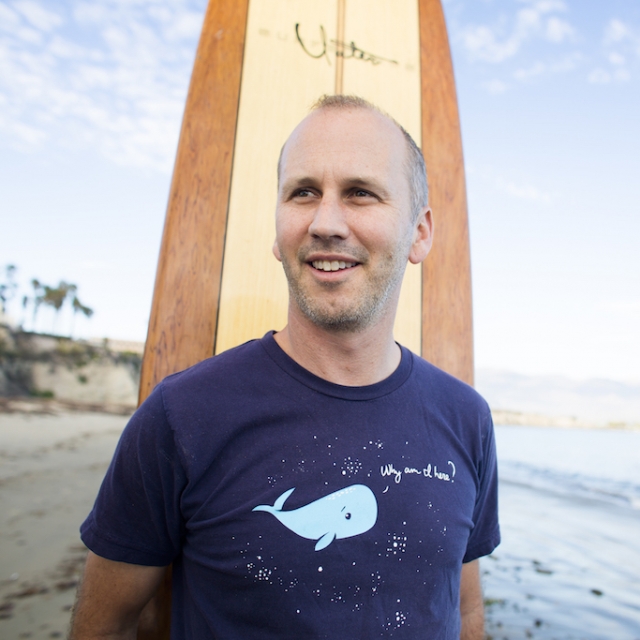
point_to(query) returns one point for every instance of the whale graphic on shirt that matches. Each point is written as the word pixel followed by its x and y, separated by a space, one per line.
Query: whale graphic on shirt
pixel 344 513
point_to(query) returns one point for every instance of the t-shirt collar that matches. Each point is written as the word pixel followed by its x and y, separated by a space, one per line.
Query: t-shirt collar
pixel 305 377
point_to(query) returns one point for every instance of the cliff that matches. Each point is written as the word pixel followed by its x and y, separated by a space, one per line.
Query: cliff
pixel 81 373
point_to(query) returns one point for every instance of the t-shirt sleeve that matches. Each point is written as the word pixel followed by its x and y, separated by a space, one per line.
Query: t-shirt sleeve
pixel 136 517
pixel 485 535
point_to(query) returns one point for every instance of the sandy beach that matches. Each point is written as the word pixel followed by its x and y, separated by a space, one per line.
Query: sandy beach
pixel 51 465
pixel 564 570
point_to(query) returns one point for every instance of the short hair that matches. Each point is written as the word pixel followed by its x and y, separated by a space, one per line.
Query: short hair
pixel 416 169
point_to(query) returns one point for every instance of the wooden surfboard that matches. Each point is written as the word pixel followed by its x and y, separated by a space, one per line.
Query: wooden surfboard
pixel 260 65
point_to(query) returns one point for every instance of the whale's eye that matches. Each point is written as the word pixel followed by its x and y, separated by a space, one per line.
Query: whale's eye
pixel 347 516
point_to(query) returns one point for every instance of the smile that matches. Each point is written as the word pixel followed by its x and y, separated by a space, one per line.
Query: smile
pixel 332 265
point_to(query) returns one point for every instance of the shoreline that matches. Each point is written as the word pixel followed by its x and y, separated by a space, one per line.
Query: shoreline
pixel 503 417
pixel 49 407
pixel 508 417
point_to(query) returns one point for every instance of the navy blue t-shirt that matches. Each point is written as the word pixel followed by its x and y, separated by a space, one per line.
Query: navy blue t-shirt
pixel 292 507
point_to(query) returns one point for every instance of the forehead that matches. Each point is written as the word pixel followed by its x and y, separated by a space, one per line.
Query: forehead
pixel 345 141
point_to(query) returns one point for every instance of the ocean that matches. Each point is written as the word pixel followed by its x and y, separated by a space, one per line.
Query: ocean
pixel 568 567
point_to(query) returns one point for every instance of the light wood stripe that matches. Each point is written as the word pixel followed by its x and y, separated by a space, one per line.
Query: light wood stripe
pixel 254 293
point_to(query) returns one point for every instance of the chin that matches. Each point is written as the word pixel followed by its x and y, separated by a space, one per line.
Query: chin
pixel 346 320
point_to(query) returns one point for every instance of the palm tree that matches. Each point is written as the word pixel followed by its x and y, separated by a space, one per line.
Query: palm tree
pixel 55 297
pixel 78 306
pixel 8 288
pixel 37 300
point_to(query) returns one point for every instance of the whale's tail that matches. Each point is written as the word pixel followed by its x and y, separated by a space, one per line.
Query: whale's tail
pixel 277 505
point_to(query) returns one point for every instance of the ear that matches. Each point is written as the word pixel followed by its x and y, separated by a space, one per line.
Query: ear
pixel 422 237
pixel 276 251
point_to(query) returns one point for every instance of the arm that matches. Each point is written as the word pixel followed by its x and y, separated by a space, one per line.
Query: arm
pixel 471 603
pixel 111 597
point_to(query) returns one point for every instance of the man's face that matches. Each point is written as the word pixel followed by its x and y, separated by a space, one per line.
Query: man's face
pixel 344 229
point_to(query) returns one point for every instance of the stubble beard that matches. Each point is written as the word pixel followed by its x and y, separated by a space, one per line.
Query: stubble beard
pixel 357 314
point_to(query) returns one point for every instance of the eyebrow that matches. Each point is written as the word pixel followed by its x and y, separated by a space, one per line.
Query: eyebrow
pixel 296 183
pixel 369 183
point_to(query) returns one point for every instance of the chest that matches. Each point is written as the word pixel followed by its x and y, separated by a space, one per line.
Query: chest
pixel 357 500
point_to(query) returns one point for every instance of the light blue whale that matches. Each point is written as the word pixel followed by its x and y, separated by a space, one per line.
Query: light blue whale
pixel 342 514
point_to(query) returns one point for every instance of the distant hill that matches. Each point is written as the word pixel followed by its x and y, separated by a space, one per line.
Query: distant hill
pixel 591 401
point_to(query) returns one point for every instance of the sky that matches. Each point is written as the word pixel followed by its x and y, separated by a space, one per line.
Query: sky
pixel 91 101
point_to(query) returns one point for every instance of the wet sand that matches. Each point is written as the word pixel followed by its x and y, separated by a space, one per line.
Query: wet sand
pixel 51 467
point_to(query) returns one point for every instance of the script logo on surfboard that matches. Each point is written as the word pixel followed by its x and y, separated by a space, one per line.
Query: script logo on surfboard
pixel 341 49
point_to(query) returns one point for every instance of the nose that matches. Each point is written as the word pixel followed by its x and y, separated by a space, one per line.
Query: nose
pixel 329 218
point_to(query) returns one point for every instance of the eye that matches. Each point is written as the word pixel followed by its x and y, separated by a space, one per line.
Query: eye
pixel 347 516
pixel 362 196
pixel 303 193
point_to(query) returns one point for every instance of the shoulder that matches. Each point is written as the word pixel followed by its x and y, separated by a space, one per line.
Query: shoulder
pixel 451 405
pixel 220 389
pixel 445 389
pixel 231 371
pixel 219 365
pixel 195 410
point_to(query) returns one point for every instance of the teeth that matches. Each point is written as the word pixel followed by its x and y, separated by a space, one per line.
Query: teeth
pixel 332 265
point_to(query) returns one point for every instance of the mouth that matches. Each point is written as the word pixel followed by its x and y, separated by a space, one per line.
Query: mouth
pixel 332 265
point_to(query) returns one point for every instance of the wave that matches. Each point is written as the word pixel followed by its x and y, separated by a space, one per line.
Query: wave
pixel 571 485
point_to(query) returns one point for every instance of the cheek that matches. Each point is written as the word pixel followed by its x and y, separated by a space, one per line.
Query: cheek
pixel 286 246
pixel 283 228
pixel 384 239
pixel 290 231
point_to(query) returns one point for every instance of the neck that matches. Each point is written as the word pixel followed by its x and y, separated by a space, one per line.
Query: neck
pixel 353 359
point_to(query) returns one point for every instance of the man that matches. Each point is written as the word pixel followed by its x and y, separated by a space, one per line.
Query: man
pixel 321 482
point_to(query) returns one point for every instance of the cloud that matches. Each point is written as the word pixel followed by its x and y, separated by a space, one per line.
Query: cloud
pixel 482 43
pixel 568 63
pixel 41 18
pixel 616 31
pixel 523 192
pixel 187 26
pixel 558 30
pixel 500 42
pixel 616 59
pixel 620 34
pixel 111 75
pixel 538 40
pixel 28 35
pixel 495 86
pixel 621 42
pixel 524 74
pixel 8 18
pixel 622 75
pixel 564 65
pixel 599 76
